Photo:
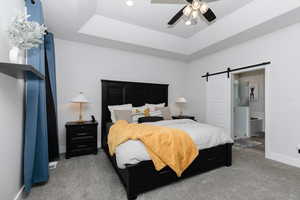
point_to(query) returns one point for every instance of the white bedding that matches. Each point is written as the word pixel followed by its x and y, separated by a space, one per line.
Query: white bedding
pixel 205 136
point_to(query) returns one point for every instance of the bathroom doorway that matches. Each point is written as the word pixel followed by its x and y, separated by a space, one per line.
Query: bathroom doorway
pixel 248 103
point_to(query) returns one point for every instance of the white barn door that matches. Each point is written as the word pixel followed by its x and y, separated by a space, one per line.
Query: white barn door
pixel 218 102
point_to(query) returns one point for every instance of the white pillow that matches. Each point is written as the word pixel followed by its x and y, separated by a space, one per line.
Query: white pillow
pixel 156 113
pixel 138 110
pixel 166 113
pixel 123 115
pixel 153 106
pixel 118 107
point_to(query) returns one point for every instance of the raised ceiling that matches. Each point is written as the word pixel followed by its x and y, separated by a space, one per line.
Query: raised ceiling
pixel 155 16
pixel 141 28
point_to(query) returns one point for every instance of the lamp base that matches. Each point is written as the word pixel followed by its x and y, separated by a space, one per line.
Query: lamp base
pixel 181 111
pixel 80 115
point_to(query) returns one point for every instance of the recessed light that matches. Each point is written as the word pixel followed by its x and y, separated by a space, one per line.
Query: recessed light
pixel 129 3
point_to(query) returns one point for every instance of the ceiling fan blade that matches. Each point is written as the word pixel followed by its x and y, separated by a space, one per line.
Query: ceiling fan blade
pixel 176 17
pixel 209 15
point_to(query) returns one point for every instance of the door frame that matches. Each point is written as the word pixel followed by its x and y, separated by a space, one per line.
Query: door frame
pixel 267 70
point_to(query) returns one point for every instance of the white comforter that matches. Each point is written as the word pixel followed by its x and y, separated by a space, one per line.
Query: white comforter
pixel 205 136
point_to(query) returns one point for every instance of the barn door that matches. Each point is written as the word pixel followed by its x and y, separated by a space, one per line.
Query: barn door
pixel 218 108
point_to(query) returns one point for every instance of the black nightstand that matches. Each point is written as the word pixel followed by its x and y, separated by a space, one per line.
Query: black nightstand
pixel 184 117
pixel 81 138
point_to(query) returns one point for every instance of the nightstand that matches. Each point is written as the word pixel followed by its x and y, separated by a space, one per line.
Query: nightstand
pixel 184 117
pixel 81 138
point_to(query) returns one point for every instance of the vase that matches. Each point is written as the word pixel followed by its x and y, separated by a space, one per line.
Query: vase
pixel 22 56
pixel 17 55
pixel 14 55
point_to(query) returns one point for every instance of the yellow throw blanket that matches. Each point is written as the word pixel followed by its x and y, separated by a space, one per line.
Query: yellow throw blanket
pixel 166 146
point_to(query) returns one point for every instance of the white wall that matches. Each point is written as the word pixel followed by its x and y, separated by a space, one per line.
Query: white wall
pixel 282 48
pixel 80 67
pixel 11 113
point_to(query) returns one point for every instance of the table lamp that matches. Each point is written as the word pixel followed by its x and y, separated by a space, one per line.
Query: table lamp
pixel 80 99
pixel 181 101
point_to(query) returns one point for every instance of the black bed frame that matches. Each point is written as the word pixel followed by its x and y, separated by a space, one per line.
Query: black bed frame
pixel 143 177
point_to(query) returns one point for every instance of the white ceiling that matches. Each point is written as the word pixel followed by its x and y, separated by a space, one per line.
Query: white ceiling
pixel 156 16
pixel 110 23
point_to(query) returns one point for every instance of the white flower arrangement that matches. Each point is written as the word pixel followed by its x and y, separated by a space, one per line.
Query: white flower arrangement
pixel 25 34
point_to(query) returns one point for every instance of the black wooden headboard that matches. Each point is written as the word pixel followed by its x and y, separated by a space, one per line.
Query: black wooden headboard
pixel 121 92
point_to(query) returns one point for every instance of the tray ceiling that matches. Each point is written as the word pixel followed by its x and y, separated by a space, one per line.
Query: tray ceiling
pixel 155 16
pixel 142 29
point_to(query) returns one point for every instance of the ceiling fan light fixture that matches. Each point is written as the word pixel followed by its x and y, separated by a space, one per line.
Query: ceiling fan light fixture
pixel 203 8
pixel 191 21
pixel 188 10
pixel 194 21
pixel 195 14
pixel 130 3
pixel 196 4
pixel 190 13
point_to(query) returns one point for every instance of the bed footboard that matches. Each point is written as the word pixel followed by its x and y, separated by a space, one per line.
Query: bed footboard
pixel 143 177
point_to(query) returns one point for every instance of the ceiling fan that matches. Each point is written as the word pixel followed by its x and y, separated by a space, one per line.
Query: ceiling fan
pixel 191 12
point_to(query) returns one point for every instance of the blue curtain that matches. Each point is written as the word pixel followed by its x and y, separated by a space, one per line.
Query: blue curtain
pixel 36 139
pixel 51 98
pixel 50 52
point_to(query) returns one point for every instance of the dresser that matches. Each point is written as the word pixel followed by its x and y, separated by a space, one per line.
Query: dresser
pixel 81 138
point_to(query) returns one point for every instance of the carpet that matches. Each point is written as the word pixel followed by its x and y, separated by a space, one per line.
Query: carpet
pixel 251 177
pixel 246 143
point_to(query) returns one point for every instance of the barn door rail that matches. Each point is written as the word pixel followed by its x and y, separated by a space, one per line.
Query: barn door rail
pixel 229 70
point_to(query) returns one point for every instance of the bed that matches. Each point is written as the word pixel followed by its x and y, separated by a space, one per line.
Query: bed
pixel 142 176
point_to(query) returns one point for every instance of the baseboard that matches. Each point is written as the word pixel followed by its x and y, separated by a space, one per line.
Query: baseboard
pixel 19 195
pixel 284 159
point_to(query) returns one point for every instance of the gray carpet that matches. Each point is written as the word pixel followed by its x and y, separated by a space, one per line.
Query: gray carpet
pixel 251 177
pixel 246 143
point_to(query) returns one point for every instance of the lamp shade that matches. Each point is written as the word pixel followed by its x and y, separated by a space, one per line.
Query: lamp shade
pixel 80 99
pixel 181 100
